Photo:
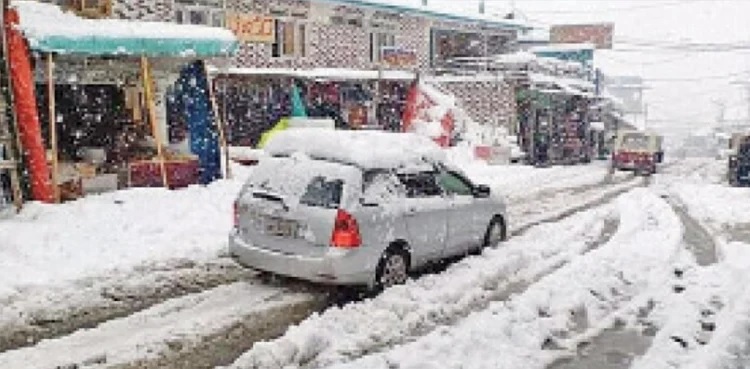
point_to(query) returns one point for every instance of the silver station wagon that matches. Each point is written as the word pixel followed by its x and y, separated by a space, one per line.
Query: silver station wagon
pixel 359 208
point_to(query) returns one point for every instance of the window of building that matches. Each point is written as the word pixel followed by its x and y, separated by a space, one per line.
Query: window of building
pixel 200 12
pixel 347 16
pixel 378 42
pixel 291 37
pixel 88 8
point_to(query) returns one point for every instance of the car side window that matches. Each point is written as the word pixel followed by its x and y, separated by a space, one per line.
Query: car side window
pixel 382 187
pixel 453 184
pixel 420 185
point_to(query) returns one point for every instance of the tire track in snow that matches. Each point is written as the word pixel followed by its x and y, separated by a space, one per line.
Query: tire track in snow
pixel 493 289
pixel 179 333
pixel 564 308
pixel 36 315
pixel 107 301
pixel 413 311
pixel 619 347
pixel 43 314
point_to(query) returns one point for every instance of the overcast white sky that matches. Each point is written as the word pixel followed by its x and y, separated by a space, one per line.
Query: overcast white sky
pixel 686 86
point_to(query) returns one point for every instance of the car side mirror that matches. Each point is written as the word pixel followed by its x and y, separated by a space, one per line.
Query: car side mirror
pixel 482 192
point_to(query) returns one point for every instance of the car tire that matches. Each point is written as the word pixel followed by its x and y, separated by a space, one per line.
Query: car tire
pixel 497 232
pixel 393 269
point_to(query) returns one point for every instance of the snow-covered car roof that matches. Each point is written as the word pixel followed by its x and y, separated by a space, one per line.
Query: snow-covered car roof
pixel 365 149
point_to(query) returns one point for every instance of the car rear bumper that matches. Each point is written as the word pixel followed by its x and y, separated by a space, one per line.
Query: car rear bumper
pixel 633 165
pixel 335 267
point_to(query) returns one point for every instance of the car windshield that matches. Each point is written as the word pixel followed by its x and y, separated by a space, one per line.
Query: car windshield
pixel 635 142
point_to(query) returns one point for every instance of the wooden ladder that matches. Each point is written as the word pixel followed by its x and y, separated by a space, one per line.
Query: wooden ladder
pixel 10 162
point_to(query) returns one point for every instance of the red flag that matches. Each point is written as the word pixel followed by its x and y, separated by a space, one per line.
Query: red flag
pixel 29 128
pixel 417 106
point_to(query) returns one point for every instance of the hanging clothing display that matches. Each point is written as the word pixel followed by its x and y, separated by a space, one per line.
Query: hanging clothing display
pixel 192 89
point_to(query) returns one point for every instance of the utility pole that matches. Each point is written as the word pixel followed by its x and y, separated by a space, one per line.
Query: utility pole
pixel 721 109
pixel 746 86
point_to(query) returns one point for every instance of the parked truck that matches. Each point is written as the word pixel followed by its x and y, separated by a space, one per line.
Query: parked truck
pixel 738 171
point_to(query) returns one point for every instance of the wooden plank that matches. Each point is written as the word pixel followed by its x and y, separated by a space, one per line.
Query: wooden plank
pixel 148 84
pixel 219 122
pixel 53 126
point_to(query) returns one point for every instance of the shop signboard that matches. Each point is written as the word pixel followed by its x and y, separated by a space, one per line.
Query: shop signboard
pixel 398 56
pixel 598 34
pixel 252 28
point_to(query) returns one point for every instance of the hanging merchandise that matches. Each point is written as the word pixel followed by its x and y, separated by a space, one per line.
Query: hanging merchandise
pixel 298 106
pixel 29 128
pixel 204 140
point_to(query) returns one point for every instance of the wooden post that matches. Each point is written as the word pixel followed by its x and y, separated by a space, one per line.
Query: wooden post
pixel 53 126
pixel 151 107
pixel 220 124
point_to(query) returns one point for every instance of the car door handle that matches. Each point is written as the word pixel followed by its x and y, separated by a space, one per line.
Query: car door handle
pixel 411 212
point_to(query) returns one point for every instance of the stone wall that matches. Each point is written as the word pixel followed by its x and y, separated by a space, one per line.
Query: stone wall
pixel 487 101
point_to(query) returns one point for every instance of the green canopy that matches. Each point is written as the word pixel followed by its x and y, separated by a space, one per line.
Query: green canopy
pixel 152 47
pixel 49 28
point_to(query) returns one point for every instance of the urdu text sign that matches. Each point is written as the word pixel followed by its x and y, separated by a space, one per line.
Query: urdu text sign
pixel 252 28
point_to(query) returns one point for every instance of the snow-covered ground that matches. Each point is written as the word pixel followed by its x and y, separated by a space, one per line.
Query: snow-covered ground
pixel 54 245
pixel 707 325
pixel 66 264
pixel 568 279
pixel 147 334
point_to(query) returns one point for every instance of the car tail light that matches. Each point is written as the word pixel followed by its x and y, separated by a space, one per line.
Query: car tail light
pixel 345 231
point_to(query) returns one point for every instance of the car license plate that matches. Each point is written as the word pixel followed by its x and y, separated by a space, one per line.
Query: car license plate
pixel 280 227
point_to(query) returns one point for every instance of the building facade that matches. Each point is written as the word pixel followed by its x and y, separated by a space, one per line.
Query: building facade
pixel 347 34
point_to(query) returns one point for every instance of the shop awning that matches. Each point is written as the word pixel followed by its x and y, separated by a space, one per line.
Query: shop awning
pixel 50 29
pixel 328 74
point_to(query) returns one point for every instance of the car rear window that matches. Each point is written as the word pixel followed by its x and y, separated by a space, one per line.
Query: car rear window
pixel 323 192
pixel 306 181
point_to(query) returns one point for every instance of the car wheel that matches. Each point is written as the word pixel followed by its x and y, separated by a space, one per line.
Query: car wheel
pixel 496 233
pixel 393 269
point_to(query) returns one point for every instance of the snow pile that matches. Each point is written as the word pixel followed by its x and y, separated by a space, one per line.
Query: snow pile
pixel 437 114
pixel 592 289
pixel 41 20
pixel 367 149
pixel 51 245
pixel 730 345
pixel 425 304
pixel 517 182
pixel 716 204
pixel 245 153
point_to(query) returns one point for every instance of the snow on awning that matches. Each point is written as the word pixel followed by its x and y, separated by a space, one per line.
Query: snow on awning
pixel 568 86
pixel 597 126
pixel 335 74
pixel 458 12
pixel 50 29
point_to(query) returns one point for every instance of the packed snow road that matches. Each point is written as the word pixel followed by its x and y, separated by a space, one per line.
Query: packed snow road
pixel 666 290
pixel 45 320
